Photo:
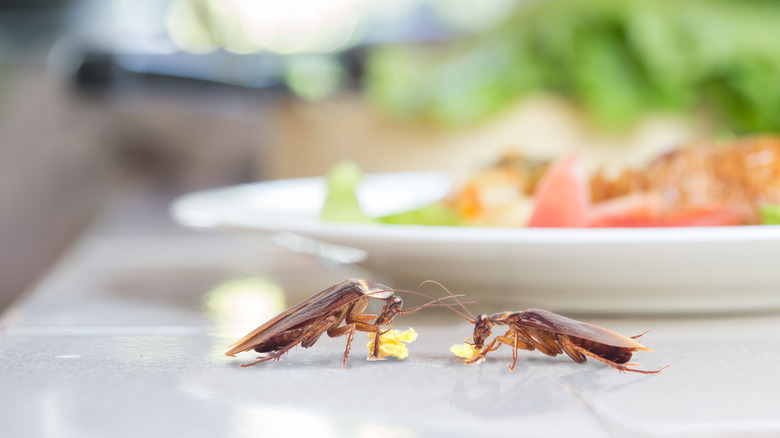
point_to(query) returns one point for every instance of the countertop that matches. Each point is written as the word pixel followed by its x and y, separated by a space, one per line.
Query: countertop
pixel 125 337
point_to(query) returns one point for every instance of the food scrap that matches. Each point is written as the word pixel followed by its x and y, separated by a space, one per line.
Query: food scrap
pixel 392 343
pixel 465 350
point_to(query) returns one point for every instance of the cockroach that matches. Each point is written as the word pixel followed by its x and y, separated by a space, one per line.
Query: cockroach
pixel 325 312
pixel 553 334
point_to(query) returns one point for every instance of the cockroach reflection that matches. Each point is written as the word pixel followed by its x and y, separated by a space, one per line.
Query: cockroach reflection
pixel 337 311
pixel 553 334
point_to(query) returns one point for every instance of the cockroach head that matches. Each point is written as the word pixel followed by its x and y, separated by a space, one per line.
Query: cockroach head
pixel 392 308
pixel 482 325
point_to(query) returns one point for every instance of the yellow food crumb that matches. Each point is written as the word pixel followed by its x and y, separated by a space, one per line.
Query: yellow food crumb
pixel 465 351
pixel 392 343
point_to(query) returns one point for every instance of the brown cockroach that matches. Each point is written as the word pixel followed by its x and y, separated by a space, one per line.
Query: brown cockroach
pixel 325 312
pixel 553 334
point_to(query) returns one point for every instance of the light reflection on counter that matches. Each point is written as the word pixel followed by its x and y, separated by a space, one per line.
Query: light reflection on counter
pixel 244 303
pixel 263 421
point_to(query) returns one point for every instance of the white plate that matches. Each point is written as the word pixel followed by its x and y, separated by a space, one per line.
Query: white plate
pixel 608 271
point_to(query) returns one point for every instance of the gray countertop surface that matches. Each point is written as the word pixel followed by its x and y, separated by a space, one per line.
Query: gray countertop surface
pixel 125 337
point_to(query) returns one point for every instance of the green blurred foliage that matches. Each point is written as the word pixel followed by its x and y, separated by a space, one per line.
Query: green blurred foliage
pixel 618 59
pixel 770 214
pixel 341 202
pixel 434 214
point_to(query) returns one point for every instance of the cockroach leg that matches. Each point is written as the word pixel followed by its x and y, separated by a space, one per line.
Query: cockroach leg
pixel 506 339
pixel 577 353
pixel 271 356
pixel 568 345
pixel 481 355
pixel 641 334
pixel 261 360
pixel 306 339
pixel 350 337
pixel 364 321
pixel 368 319
pixel 543 341
pixel 518 340
pixel 349 329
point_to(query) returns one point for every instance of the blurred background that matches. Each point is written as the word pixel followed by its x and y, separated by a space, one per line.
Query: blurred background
pixel 180 95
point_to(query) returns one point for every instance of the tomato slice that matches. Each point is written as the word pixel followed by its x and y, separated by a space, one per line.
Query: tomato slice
pixel 702 216
pixel 625 209
pixel 562 196
pixel 562 199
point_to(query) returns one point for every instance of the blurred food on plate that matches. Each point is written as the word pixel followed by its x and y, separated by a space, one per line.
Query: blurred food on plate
pixel 708 183
pixel 737 175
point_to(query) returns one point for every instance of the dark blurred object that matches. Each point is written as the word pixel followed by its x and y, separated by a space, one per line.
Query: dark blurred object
pixel 25 22
pixel 206 44
pixel 618 59
pixel 32 4
pixel 105 70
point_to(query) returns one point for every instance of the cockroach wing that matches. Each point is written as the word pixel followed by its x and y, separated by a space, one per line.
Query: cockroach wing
pixel 552 322
pixel 310 309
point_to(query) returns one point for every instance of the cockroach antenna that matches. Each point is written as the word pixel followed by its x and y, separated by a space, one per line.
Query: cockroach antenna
pixel 434 302
pixel 470 318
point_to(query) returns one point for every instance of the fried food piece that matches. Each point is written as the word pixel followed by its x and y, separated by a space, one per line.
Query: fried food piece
pixel 465 351
pixel 392 343
pixel 744 173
